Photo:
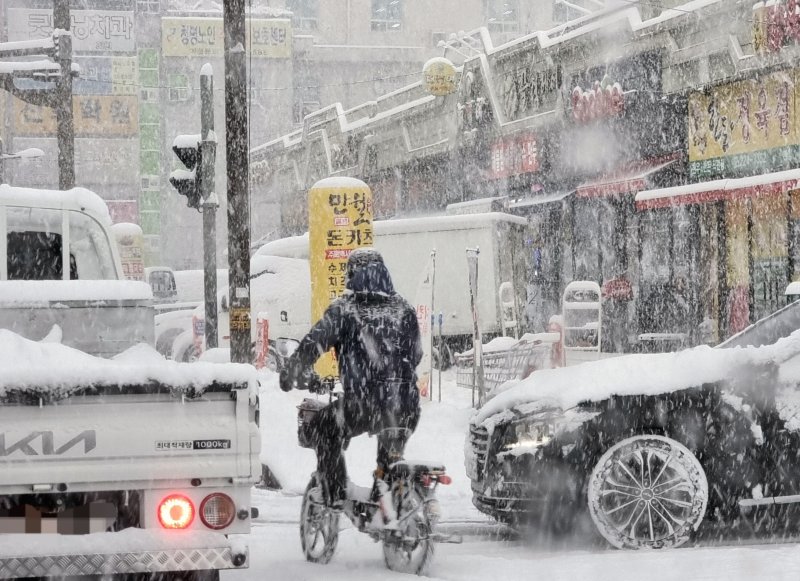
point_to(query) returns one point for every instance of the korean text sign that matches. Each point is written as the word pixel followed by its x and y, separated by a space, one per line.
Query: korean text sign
pixel 204 37
pixel 340 220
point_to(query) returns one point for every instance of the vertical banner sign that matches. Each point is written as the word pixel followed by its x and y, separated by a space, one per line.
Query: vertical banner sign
pixel 423 303
pixel 130 244
pixel 339 221
pixel 477 360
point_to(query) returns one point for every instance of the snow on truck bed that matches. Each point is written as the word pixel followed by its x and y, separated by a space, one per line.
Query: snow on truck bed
pixel 34 292
pixel 642 374
pixel 52 369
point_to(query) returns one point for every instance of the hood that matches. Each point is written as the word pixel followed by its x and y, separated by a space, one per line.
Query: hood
pixel 366 273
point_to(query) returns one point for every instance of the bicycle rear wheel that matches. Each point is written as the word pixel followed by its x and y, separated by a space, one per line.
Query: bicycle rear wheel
pixel 410 548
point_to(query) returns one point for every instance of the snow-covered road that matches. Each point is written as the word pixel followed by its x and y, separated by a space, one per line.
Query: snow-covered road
pixel 489 551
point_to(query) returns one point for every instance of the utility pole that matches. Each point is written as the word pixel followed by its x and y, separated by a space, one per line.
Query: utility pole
pixel 208 156
pixel 236 154
pixel 63 97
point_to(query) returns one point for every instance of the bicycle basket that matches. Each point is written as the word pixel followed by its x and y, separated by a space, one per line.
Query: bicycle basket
pixel 307 411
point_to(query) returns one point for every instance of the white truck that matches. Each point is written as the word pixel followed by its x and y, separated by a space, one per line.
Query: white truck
pixel 130 465
pixel 59 265
pixel 406 244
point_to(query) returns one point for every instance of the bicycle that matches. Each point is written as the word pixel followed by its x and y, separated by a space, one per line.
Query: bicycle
pixel 400 510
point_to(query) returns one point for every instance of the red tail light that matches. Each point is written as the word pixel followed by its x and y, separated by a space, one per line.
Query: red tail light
pixel 217 511
pixel 175 512
pixel 444 479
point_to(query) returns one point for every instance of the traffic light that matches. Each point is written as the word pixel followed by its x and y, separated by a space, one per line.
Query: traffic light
pixel 188 181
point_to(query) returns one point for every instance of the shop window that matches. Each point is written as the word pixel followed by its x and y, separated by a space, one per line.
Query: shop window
pixel 387 15
pixel 304 13
pixel 566 11
pixel 587 248
pixel 179 87
pixel 306 99
pixel 502 16
pixel 148 6
pixel 769 252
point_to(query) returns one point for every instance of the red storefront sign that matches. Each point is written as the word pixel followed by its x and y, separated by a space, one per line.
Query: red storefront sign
pixel 599 102
pixel 775 25
pixel 514 155
pixel 123 211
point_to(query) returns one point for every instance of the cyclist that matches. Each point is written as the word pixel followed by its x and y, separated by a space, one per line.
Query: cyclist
pixel 375 335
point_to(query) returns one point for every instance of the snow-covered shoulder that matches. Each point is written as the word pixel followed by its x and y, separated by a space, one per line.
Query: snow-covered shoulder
pixel 48 368
pixel 641 374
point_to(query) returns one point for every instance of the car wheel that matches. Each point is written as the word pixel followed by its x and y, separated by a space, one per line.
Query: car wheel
pixel 183 348
pixel 647 492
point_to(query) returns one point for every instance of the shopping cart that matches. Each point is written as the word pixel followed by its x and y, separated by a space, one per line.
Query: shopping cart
pixel 531 352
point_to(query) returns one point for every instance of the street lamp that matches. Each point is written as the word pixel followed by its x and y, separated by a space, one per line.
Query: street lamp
pixel 30 153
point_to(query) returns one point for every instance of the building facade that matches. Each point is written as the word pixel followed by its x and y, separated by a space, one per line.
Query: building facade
pixel 650 146
pixel 138 88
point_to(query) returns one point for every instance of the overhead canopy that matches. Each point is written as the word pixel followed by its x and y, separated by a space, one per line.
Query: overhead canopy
pixel 770 183
pixel 538 200
pixel 623 181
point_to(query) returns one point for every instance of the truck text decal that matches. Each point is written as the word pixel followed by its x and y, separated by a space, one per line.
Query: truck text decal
pixel 165 445
pixel 42 444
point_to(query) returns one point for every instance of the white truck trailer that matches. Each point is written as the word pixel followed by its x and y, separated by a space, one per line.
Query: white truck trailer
pixel 406 245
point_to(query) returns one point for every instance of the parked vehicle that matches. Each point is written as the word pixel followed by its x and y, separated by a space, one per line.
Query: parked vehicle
pixel 162 280
pixel 155 458
pixel 650 446
pixel 279 293
pixel 60 266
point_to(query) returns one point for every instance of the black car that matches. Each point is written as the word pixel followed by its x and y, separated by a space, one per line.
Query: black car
pixel 651 446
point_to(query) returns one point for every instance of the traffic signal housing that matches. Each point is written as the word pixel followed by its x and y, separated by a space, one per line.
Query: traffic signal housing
pixel 188 181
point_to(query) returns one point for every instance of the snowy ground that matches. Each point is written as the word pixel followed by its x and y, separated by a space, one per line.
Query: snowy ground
pixel 488 551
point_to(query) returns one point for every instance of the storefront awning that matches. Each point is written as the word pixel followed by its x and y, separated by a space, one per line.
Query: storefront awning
pixel 632 179
pixel 713 191
pixel 538 200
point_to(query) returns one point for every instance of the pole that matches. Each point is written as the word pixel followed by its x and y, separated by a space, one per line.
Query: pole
pixel 441 318
pixel 208 145
pixel 477 346
pixel 2 163
pixel 433 285
pixel 236 154
pixel 63 109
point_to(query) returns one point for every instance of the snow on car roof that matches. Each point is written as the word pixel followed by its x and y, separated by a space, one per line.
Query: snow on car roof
pixel 79 199
pixel 639 374
pixel 54 369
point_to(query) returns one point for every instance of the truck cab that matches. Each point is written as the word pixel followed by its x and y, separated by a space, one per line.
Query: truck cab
pixel 60 266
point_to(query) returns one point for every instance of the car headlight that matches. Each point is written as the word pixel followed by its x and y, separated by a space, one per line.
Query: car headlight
pixel 528 435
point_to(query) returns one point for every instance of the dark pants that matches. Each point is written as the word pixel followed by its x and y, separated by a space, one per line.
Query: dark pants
pixel 348 417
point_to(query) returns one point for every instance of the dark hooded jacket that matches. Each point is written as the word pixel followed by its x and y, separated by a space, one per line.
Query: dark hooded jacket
pixel 373 330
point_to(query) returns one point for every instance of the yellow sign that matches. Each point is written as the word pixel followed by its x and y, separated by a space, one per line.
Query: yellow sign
pixel 204 37
pixel 339 221
pixel 124 75
pixel 239 319
pixel 743 117
pixel 439 76
pixel 93 115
